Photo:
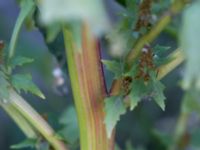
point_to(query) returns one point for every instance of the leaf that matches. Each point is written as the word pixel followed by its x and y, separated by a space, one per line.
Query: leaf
pixel 4 94
pixel 114 108
pixel 157 92
pixel 20 61
pixel 138 91
pixel 24 144
pixel 159 96
pixel 91 11
pixel 153 89
pixel 190 43
pixel 160 55
pixel 27 7
pixel 70 131
pixel 113 66
pixel 24 82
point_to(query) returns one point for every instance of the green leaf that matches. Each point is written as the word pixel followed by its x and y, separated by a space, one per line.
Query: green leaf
pixel 113 66
pixel 4 94
pixel 114 108
pixel 27 7
pixel 20 61
pixel 153 89
pixel 24 82
pixel 91 11
pixel 160 55
pixel 138 91
pixel 159 96
pixel 190 43
pixel 158 91
pixel 70 131
pixel 24 144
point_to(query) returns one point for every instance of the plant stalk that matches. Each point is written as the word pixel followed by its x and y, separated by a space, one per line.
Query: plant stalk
pixel 20 110
pixel 87 80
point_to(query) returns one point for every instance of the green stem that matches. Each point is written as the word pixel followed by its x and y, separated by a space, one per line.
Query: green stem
pixel 176 57
pixel 35 120
pixel 88 89
pixel 22 123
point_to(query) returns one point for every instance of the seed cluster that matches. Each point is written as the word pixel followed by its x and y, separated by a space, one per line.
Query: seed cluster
pixel 144 15
pixel 146 63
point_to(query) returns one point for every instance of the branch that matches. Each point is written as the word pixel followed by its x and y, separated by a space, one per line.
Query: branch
pixel 22 123
pixel 176 57
pixel 20 110
pixel 176 7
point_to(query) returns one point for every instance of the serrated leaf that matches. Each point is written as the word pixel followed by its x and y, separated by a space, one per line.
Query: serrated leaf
pixel 24 82
pixel 158 91
pixel 159 96
pixel 153 89
pixel 4 93
pixel 190 43
pixel 25 144
pixel 20 60
pixel 113 66
pixel 138 91
pixel 114 108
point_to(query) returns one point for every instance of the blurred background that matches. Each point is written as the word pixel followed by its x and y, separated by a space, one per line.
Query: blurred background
pixel 139 127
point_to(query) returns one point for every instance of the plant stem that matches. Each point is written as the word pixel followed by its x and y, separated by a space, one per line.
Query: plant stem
pixel 87 80
pixel 36 121
pixel 22 123
pixel 176 57
pixel 32 119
